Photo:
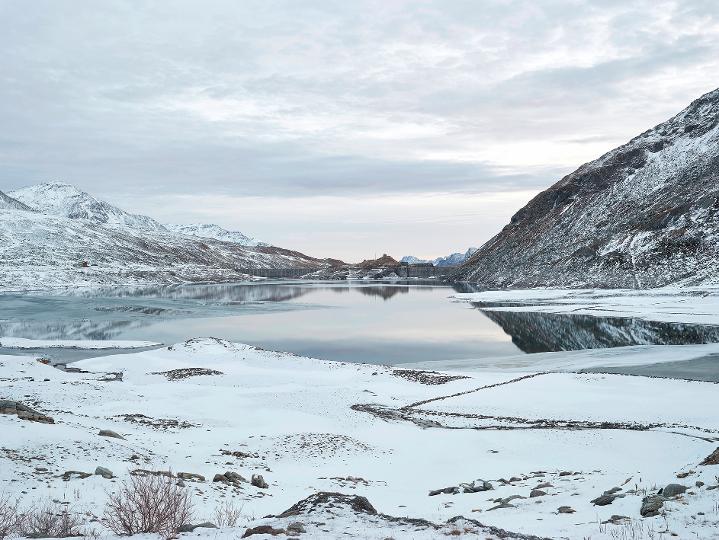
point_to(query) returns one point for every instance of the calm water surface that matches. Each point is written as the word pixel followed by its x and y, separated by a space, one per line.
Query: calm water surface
pixel 356 322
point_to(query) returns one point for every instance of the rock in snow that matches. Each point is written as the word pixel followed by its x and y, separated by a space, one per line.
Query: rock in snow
pixel 643 215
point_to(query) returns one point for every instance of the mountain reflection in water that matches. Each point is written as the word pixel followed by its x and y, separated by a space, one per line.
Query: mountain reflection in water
pixel 390 323
pixel 547 332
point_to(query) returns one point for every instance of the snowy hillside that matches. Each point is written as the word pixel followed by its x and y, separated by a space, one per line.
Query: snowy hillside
pixel 41 251
pixel 59 199
pixel 204 230
pixel 643 215
pixel 74 239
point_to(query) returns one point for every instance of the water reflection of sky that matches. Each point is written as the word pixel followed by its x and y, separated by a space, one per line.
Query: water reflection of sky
pixel 372 322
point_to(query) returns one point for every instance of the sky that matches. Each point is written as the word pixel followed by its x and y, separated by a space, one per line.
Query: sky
pixel 340 129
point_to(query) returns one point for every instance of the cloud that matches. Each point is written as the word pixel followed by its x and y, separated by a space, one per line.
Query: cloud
pixel 277 98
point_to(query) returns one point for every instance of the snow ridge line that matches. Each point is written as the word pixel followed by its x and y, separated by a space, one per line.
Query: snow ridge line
pixel 486 387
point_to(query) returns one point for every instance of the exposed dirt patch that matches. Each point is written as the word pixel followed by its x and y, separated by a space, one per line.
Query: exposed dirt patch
pixel 426 377
pixel 186 373
pixel 157 423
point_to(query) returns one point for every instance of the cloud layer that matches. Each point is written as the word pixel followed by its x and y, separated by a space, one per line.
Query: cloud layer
pixel 259 102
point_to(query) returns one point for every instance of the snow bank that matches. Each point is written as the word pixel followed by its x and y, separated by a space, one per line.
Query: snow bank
pixel 208 406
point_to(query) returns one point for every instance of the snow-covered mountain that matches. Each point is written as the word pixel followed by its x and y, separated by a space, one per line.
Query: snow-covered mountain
pixel 66 237
pixel 454 259
pixel 643 215
pixel 8 203
pixel 60 199
pixel 203 230
pixel 411 259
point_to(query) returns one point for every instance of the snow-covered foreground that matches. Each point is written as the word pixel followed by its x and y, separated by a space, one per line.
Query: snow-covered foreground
pixel 308 426
pixel 668 304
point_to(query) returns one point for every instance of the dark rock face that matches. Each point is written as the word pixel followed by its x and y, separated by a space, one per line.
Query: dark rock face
pixel 23 412
pixel 651 505
pixel 357 503
pixel 711 459
pixel 645 214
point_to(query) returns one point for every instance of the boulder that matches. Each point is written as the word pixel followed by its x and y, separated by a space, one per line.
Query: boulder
pixel 617 520
pixel 104 472
pixel 263 529
pixel 296 528
pixel 537 493
pixel 229 477
pixel 603 500
pixel 259 481
pixel 145 472
pixel 501 506
pixel 711 459
pixel 188 527
pixel 191 476
pixel 476 487
pixel 235 478
pixel 651 505
pixel 565 510
pixel 451 490
pixel 69 475
pixel 23 412
pixel 672 490
pixel 111 434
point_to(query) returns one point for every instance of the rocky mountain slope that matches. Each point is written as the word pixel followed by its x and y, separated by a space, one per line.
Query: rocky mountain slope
pixel 643 215
pixel 205 230
pixel 60 199
pixel 75 239
pixel 8 203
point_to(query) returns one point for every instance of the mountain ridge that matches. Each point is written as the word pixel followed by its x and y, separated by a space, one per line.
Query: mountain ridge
pixel 453 259
pixel 61 199
pixel 71 238
pixel 211 230
pixel 645 214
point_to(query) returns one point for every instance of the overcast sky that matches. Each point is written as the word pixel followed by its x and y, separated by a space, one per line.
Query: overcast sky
pixel 344 128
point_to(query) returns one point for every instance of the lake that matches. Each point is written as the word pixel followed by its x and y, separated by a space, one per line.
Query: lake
pixel 384 323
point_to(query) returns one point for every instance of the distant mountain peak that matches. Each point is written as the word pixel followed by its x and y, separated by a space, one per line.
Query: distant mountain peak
pixel 453 259
pixel 211 230
pixel 66 200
